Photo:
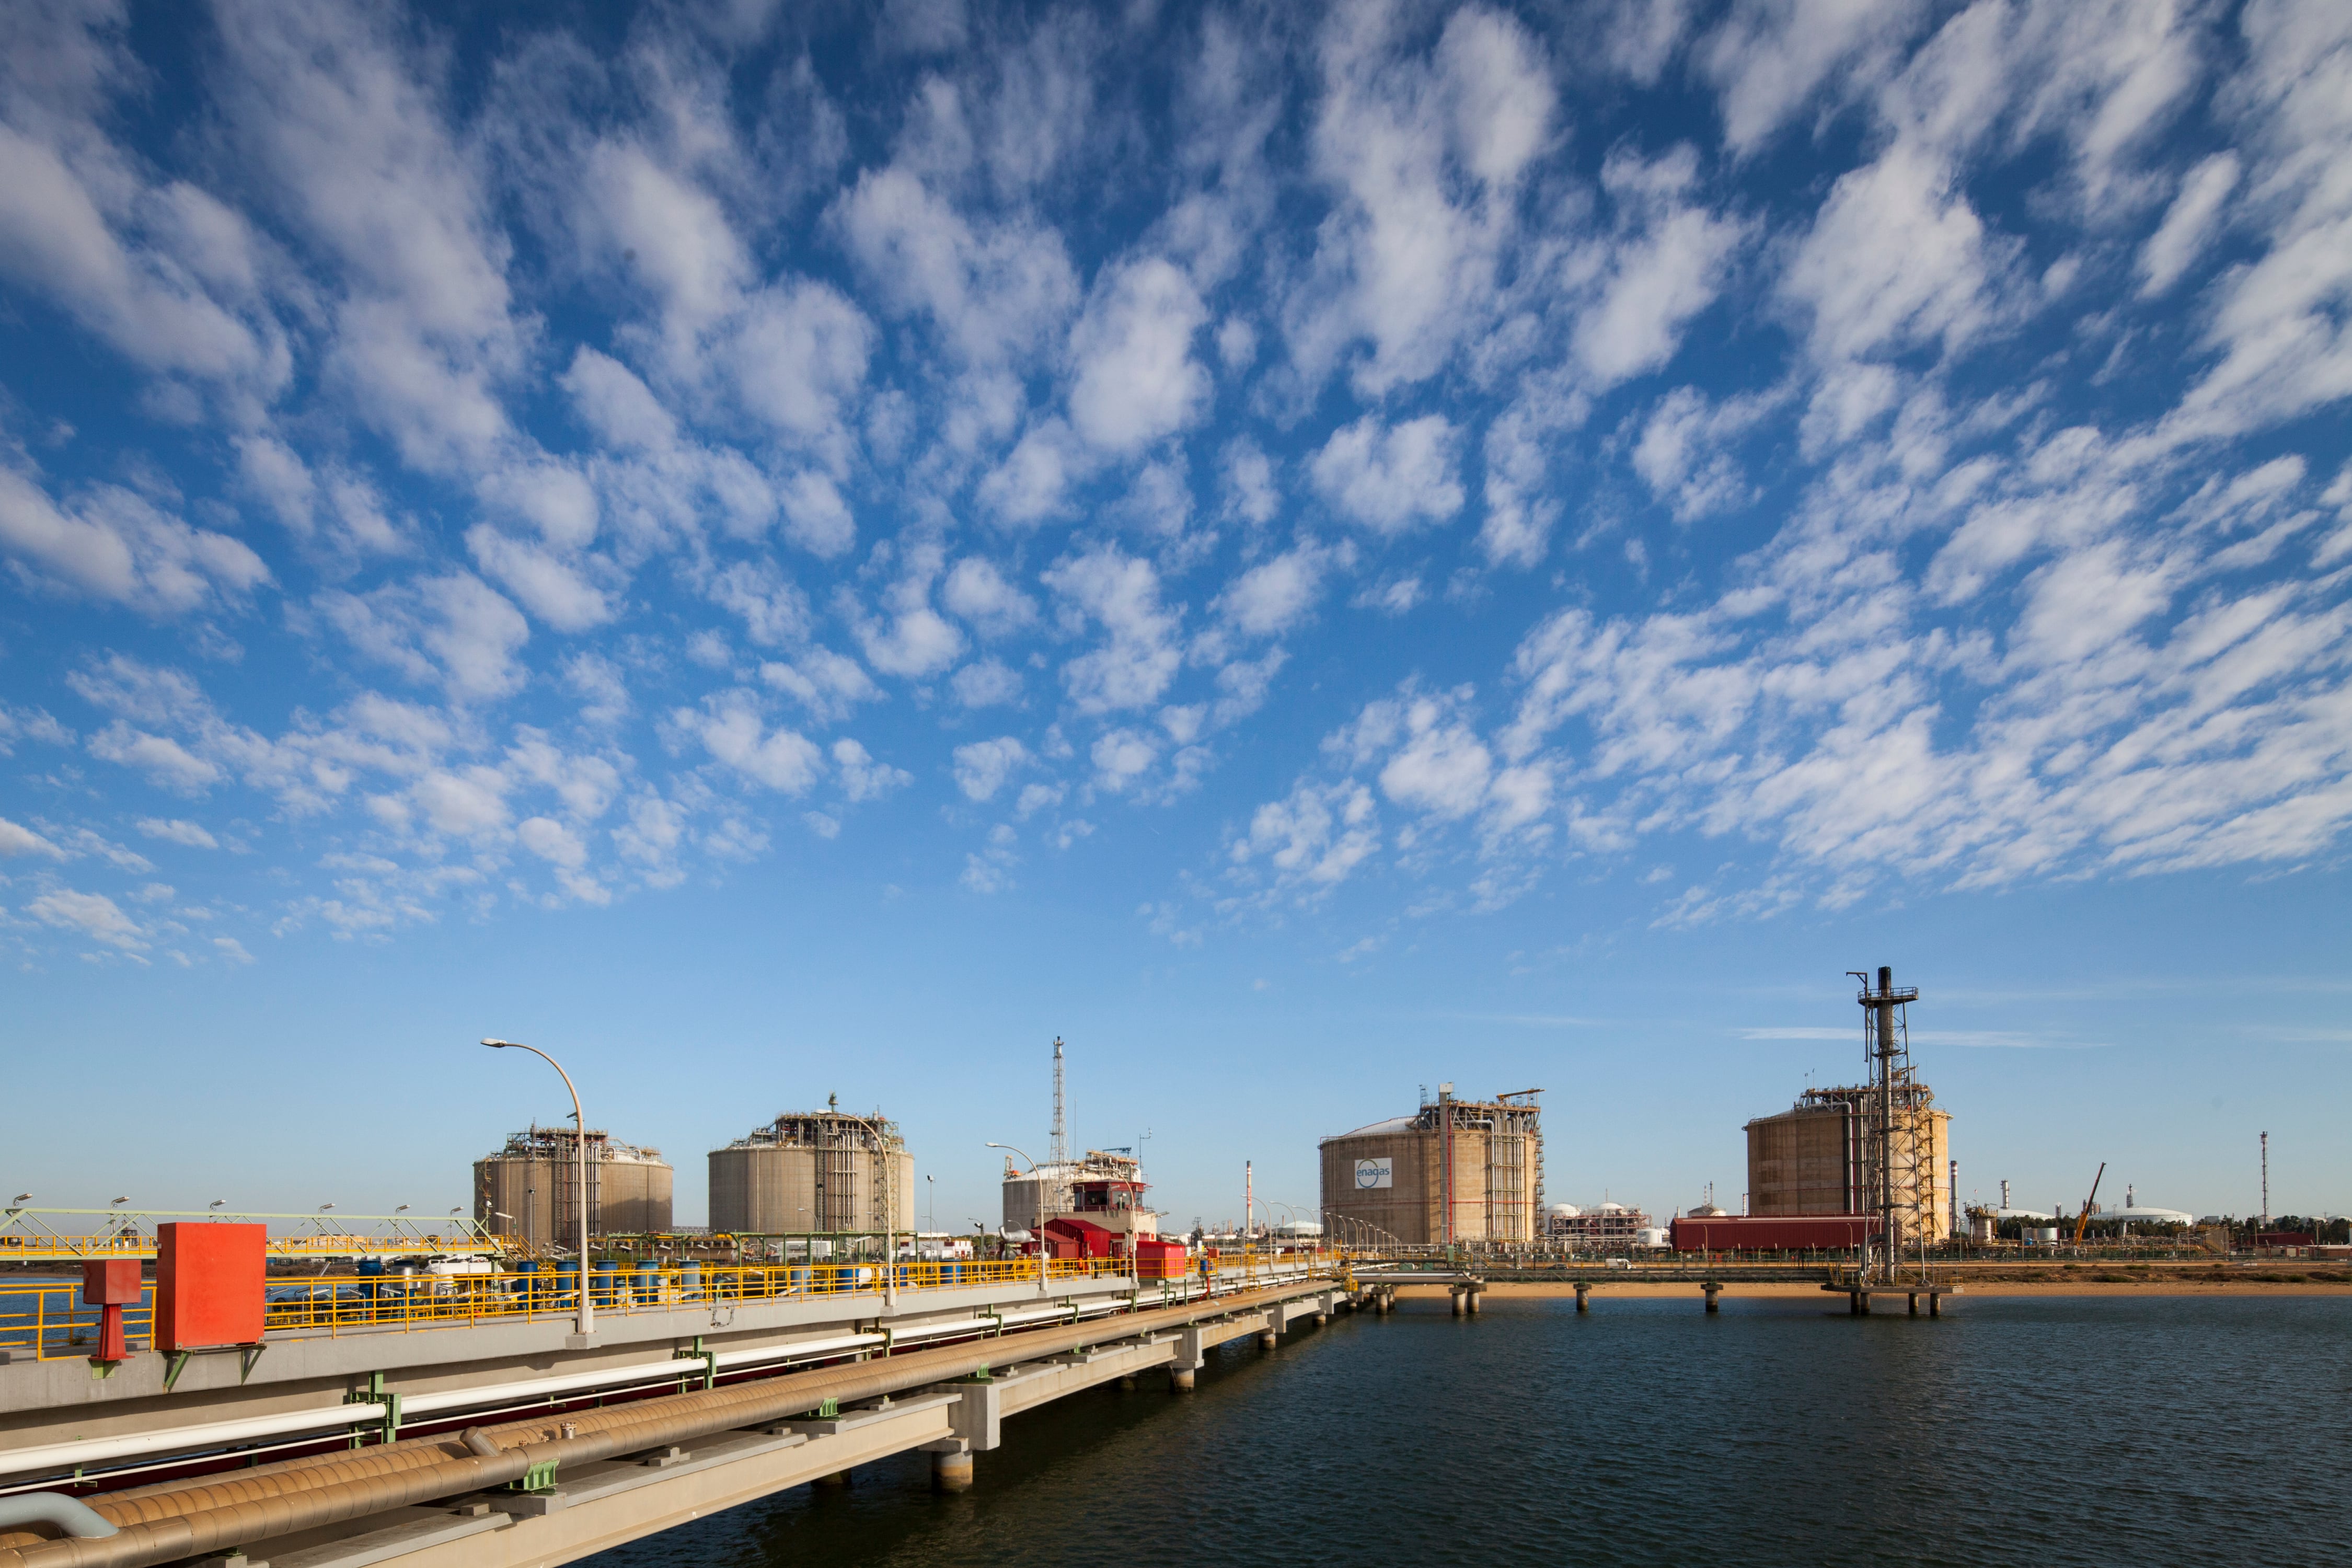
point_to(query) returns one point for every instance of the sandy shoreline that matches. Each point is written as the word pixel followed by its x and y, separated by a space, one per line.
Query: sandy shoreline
pixel 1733 1288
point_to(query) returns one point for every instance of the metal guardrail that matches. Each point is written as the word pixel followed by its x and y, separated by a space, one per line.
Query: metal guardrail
pixel 47 1322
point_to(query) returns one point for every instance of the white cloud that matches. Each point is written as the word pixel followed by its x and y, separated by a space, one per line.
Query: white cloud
pixel 987 684
pixel 160 757
pixel 1897 257
pixel 991 870
pixel 829 685
pixel 619 408
pixel 162 274
pixel 454 630
pixel 553 842
pixel 992 289
pixel 551 587
pixel 329 117
pixel 464 803
pixel 2282 325
pixel 1120 756
pixel 916 640
pixel 2189 224
pixel 1275 594
pixel 800 359
pixel 1665 264
pixel 1255 495
pixel 774 611
pixel 1521 503
pixel 1313 837
pixel 1390 479
pixel 1034 481
pixel 17 839
pixel 983 767
pixel 1139 656
pixel 178 831
pixel 1425 157
pixel 982 595
pixel 94 915
pixel 1137 380
pixel 730 727
pixel 115 545
pixel 862 777
pixel 229 948
pixel 1681 455
pixel 1434 760
pixel 816 518
pixel 1768 59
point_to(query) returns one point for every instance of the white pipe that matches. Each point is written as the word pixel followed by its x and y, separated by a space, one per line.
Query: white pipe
pixel 221 1434
pixel 642 1372
pixel 215 1435
pixel 412 1406
pixel 933 1330
pixel 798 1351
pixel 73 1516
pixel 1036 1315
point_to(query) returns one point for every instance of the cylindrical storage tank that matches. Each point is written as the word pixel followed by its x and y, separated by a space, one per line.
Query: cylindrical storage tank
pixel 634 1195
pixel 816 1172
pixel 763 1189
pixel 1385 1177
pixel 531 1189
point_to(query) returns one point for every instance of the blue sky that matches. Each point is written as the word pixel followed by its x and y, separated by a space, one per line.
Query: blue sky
pixel 1310 551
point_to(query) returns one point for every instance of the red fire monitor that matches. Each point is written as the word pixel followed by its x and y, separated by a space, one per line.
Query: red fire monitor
pixel 111 1284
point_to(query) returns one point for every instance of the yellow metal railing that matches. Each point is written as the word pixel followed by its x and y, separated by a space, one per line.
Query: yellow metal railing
pixel 48 1321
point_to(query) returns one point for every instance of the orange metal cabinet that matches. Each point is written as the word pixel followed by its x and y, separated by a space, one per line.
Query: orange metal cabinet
pixel 208 1284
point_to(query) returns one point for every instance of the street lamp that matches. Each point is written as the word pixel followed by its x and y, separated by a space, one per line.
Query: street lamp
pixel 1037 1190
pixel 587 1307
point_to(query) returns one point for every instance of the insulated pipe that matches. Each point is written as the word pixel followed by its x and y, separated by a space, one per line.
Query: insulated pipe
pixel 69 1514
pixel 172 1499
pixel 625 1429
pixel 97 1451
pixel 216 1434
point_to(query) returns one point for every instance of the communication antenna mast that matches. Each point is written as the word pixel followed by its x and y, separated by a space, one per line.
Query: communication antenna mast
pixel 1058 1148
pixel 2266 1181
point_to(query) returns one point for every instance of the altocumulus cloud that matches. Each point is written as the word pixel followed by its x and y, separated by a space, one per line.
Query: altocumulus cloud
pixel 1899 446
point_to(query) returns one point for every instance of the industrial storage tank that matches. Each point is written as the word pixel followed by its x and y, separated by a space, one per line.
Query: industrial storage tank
pixel 1819 1157
pixel 529 1189
pixel 1455 1170
pixel 824 1172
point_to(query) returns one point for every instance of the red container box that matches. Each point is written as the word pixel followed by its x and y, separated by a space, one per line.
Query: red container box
pixel 110 1282
pixel 1159 1259
pixel 208 1284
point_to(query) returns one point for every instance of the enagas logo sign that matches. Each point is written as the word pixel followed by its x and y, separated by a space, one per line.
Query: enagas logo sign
pixel 1370 1173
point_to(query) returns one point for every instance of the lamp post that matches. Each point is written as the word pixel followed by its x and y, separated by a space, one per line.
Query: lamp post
pixel 587 1306
pixel 1037 1190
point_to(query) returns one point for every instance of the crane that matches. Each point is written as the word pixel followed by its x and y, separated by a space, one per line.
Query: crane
pixel 2083 1224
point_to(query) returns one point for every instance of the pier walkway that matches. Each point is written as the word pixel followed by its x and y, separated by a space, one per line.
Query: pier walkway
pixel 1711 1279
pixel 502 1444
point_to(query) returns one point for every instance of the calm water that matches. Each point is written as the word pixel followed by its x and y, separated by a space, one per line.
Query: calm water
pixel 2043 1431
